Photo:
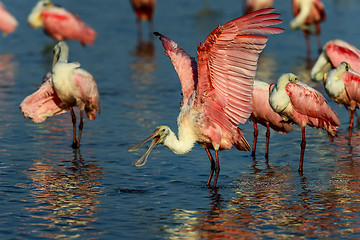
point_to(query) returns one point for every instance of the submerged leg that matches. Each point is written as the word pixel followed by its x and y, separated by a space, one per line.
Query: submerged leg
pixel 256 133
pixel 303 144
pixel 212 169
pixel 81 125
pixel 351 124
pixel 217 168
pixel 318 30
pixel 267 140
pixel 308 47
pixel 73 118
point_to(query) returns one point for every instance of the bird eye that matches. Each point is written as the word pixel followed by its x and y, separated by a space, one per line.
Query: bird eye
pixel 347 67
pixel 163 129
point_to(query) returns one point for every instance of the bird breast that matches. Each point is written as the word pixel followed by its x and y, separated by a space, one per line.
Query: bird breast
pixel 63 82
pixel 278 100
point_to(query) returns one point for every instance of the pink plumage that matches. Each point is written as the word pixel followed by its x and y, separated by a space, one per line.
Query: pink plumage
pixel 217 91
pixel 65 87
pixel 60 23
pixel 342 84
pixel 8 22
pixel 308 16
pixel 299 103
pixel 254 5
pixel 263 113
pixel 335 52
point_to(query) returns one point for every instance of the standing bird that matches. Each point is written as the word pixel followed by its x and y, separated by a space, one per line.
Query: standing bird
pixel 335 52
pixel 66 86
pixel 308 16
pixel 297 102
pixel 60 24
pixel 8 23
pixel 216 91
pixel 342 84
pixel 144 11
pixel 263 113
pixel 254 5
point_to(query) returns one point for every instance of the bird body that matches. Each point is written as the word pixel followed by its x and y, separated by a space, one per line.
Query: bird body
pixel 254 5
pixel 65 87
pixel 8 23
pixel 342 84
pixel 335 52
pixel 308 16
pixel 217 90
pixel 60 24
pixel 299 103
pixel 144 9
pixel 263 113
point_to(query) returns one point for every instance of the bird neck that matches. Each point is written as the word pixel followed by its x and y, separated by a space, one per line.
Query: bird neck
pixel 184 143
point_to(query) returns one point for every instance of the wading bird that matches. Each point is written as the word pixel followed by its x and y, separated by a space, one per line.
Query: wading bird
pixel 342 84
pixel 263 113
pixel 299 103
pixel 216 91
pixel 8 22
pixel 254 5
pixel 66 86
pixel 308 16
pixel 335 52
pixel 60 24
pixel 144 11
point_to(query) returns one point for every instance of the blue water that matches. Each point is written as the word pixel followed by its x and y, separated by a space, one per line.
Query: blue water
pixel 48 190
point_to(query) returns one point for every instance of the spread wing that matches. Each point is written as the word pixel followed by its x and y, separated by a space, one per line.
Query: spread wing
pixel 227 62
pixel 43 103
pixel 184 64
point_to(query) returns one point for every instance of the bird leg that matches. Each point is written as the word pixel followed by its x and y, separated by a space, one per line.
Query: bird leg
pixel 212 169
pixel 303 144
pixel 308 47
pixel 351 124
pixel 81 125
pixel 318 30
pixel 267 139
pixel 256 133
pixel 73 118
pixel 217 168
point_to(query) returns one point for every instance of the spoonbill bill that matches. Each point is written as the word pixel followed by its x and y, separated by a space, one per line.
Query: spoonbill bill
pixel 342 84
pixel 254 5
pixel 217 90
pixel 308 16
pixel 297 102
pixel 60 23
pixel 335 52
pixel 8 22
pixel 144 11
pixel 263 113
pixel 66 86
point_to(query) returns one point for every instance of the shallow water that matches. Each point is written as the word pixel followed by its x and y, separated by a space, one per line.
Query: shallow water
pixel 49 190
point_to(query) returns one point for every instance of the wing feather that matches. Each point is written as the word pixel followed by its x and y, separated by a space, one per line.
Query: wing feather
pixel 184 64
pixel 227 63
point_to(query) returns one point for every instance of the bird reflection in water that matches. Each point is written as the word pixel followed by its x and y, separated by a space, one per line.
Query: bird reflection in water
pixel 65 195
pixel 277 203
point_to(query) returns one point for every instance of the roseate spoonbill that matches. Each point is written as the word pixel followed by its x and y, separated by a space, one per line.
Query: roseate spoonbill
pixel 342 84
pixel 335 52
pixel 263 113
pixel 59 23
pixel 297 102
pixel 144 11
pixel 66 86
pixel 254 5
pixel 308 16
pixel 8 22
pixel 216 91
